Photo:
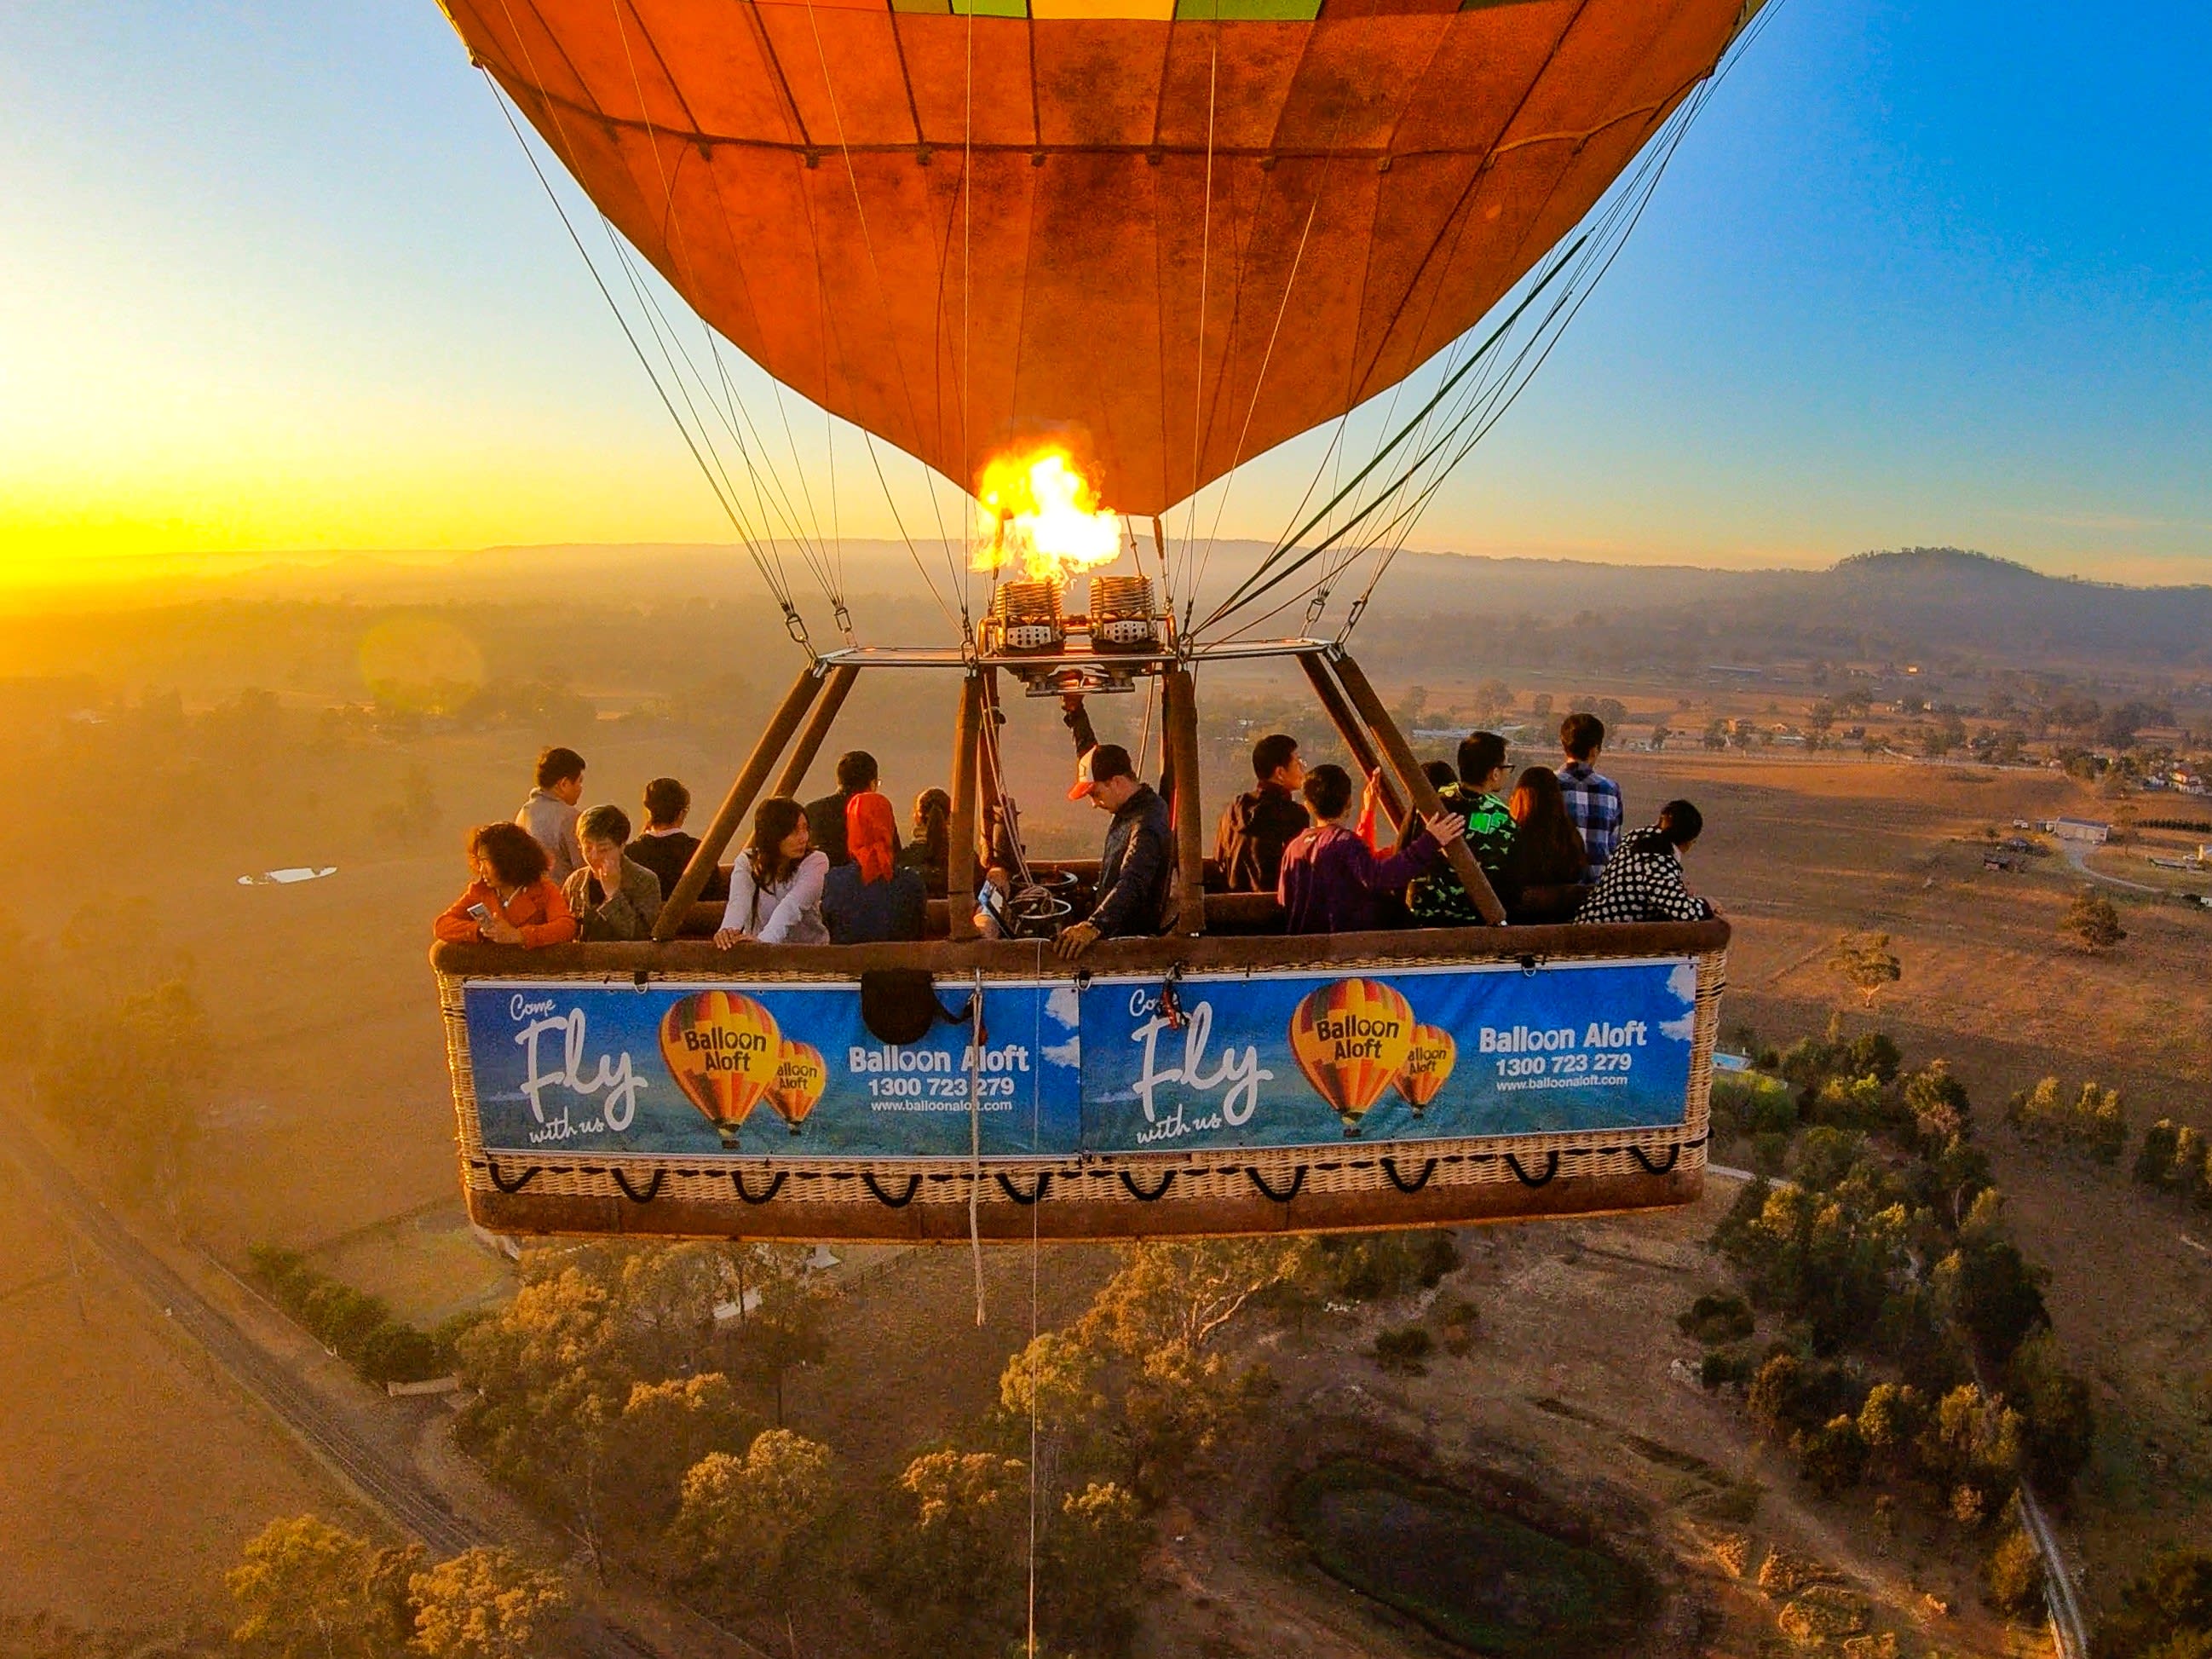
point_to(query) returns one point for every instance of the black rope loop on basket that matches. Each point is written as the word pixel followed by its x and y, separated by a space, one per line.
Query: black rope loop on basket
pixel 1297 1179
pixel 1036 1188
pixel 503 1183
pixel 1551 1169
pixel 775 1186
pixel 651 1187
pixel 1390 1169
pixel 912 1186
pixel 1674 1153
pixel 1167 1179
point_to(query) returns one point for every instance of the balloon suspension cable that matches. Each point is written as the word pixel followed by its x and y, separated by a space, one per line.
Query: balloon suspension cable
pixel 825 568
pixel 768 566
pixel 1480 404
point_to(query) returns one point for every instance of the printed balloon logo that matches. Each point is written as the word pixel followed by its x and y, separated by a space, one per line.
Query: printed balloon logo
pixel 1350 1039
pixel 800 1077
pixel 1428 1064
pixel 722 1048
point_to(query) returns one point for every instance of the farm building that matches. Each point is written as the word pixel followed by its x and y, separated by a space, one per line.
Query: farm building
pixel 2083 829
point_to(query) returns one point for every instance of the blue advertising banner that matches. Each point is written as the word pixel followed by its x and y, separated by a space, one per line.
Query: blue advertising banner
pixel 1240 1061
pixel 765 1072
pixel 1418 1054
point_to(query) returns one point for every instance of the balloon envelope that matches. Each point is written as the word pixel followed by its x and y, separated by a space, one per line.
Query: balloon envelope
pixel 800 1077
pixel 1350 1039
pixel 1429 1063
pixel 1177 231
pixel 722 1047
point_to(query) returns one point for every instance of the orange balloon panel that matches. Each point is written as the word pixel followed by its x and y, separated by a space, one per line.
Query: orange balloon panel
pixel 800 1077
pixel 1350 1039
pixel 1428 1064
pixel 1178 240
pixel 722 1048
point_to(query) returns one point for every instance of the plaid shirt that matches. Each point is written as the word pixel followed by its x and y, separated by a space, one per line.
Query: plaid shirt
pixel 1593 804
pixel 1643 883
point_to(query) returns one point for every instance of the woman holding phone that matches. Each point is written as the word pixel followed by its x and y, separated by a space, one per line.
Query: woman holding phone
pixel 511 902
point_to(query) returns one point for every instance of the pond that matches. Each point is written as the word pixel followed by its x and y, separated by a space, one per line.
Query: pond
pixel 1470 1573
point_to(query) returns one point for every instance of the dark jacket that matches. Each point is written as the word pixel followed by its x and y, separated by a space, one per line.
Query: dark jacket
pixel 1255 828
pixel 858 912
pixel 1136 872
pixel 1333 883
pixel 825 825
pixel 667 856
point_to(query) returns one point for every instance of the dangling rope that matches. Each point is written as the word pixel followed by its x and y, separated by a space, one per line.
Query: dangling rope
pixel 975 1138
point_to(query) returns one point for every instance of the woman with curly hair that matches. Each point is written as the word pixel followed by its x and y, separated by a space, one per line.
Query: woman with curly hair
pixel 511 902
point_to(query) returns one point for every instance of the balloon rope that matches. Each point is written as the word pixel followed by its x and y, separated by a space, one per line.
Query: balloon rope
pixel 1205 271
pixel 1036 1047
pixel 975 1138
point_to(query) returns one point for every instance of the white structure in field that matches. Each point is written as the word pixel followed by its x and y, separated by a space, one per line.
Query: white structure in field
pixel 2083 829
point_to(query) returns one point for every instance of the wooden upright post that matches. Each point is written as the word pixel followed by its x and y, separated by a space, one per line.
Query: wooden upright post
pixel 960 854
pixel 1355 737
pixel 732 813
pixel 1418 787
pixel 1179 723
pixel 988 782
pixel 810 740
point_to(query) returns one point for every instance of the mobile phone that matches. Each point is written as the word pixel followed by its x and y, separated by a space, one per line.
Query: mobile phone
pixel 481 913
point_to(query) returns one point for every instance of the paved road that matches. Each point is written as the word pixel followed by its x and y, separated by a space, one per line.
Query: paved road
pixel 390 1486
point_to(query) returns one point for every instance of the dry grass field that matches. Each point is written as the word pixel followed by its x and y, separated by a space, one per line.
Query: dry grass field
pixel 333 1134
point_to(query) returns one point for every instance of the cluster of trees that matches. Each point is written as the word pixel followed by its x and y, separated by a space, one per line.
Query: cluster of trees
pixel 2174 1158
pixel 1897 1292
pixel 2092 1121
pixel 2165 1612
pixel 104 1019
pixel 360 1328
pixel 306 1589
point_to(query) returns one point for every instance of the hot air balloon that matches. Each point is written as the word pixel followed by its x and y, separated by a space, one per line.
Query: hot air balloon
pixel 1084 258
pixel 1428 1064
pixel 722 1047
pixel 1350 1039
pixel 800 1077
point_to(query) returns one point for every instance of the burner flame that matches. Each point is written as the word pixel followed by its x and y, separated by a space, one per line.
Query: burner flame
pixel 1035 510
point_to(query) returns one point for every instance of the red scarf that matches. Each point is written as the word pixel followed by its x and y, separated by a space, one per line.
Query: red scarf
pixel 871 834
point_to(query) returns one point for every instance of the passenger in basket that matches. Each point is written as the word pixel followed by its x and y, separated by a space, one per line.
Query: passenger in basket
pixel 775 886
pixel 873 898
pixel 1643 880
pixel 1544 868
pixel 826 818
pixel 550 813
pixel 929 851
pixel 613 897
pixel 663 847
pixel 1332 882
pixel 510 901
pixel 1259 823
pixel 1593 799
pixel 1136 873
pixel 1438 900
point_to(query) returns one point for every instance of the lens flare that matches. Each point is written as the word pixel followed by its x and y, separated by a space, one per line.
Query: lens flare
pixel 1035 510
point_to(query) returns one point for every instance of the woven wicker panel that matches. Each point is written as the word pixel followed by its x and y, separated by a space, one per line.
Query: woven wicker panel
pixel 1351 1167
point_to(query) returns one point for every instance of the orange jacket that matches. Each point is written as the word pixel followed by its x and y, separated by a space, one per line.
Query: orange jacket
pixel 538 911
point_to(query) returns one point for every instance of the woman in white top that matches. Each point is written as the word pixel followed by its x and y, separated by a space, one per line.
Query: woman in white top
pixel 775 886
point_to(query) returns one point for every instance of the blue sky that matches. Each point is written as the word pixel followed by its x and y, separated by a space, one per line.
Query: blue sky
pixel 275 277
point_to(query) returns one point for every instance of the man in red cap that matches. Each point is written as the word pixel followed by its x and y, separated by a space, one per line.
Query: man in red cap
pixel 1137 870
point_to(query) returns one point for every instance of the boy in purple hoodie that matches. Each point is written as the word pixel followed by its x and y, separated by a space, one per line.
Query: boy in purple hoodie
pixel 1331 879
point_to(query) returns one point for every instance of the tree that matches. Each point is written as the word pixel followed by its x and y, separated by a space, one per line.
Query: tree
pixel 1053 1382
pixel 1492 698
pixel 133 1082
pixel 2062 1428
pixel 307 1589
pixel 750 1523
pixel 2165 1612
pixel 1087 1600
pixel 1865 963
pixel 1833 1456
pixel 664 1430
pixel 2012 1574
pixel 487 1604
pixel 1937 1101
pixel 2092 924
pixel 788 1325
pixel 955 1549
